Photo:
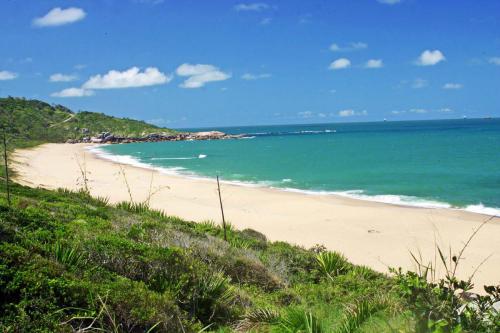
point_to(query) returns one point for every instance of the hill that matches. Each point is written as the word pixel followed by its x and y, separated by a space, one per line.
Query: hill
pixel 34 121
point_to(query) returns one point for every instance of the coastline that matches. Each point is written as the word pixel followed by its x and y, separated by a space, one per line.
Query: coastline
pixel 389 199
pixel 367 232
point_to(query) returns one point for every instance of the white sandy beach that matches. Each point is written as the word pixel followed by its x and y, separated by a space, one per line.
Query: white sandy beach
pixel 369 233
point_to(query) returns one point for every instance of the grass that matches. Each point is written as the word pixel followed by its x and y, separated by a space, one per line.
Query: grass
pixel 66 254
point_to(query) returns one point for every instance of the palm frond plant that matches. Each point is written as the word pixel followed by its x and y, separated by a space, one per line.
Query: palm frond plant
pixel 258 318
pixel 300 321
pixel 133 207
pixel 212 294
pixel 331 264
pixel 66 255
pixel 360 312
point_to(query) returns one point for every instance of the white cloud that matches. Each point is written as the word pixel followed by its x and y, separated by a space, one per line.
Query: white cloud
pixel 250 77
pixel 430 58
pixel 418 111
pixel 255 7
pixel 374 63
pixel 7 75
pixel 419 84
pixel 389 2
pixel 446 110
pixel 58 77
pixel 454 86
pixel 340 64
pixel 58 16
pixel 130 78
pixel 351 113
pixel 422 111
pixel 73 92
pixel 305 114
pixel 199 81
pixel 200 74
pixel 495 61
pixel 353 46
pixel 189 70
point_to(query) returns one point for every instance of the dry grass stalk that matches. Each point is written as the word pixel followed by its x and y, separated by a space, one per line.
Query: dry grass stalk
pixel 82 166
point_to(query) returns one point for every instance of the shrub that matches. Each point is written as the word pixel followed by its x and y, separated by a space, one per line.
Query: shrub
pixel 293 264
pixel 159 268
pixel 442 306
pixel 254 234
pixel 244 270
pixel 212 298
pixel 135 308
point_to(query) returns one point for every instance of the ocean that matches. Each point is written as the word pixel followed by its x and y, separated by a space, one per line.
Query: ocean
pixel 438 163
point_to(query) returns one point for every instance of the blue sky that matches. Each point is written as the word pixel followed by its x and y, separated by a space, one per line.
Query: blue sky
pixel 196 63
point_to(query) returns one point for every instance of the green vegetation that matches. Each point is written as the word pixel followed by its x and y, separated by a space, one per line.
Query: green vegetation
pixel 31 122
pixel 71 262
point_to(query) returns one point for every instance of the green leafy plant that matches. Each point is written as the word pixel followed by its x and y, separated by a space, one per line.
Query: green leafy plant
pixel 255 319
pixel 331 264
pixel 211 296
pixel 134 207
pixel 360 312
pixel 240 243
pixel 442 305
pixel 66 254
pixel 299 321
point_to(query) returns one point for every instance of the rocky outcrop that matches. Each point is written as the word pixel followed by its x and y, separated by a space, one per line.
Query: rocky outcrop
pixel 107 137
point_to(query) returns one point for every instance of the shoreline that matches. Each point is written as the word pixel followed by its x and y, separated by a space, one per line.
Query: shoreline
pixel 375 234
pixel 417 203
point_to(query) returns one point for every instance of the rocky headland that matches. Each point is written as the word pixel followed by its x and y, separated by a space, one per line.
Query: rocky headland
pixel 108 137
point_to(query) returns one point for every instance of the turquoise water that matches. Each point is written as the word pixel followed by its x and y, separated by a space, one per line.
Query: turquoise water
pixel 445 163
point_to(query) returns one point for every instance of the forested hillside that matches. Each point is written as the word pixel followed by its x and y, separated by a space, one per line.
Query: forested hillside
pixel 33 121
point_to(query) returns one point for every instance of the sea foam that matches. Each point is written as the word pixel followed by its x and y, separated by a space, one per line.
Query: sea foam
pixel 130 160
